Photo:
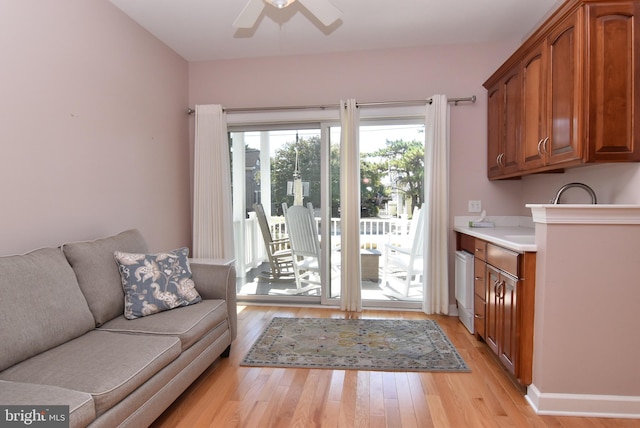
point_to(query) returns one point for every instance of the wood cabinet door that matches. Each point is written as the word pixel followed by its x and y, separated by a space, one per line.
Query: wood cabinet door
pixel 564 88
pixel 492 314
pixel 508 327
pixel 504 125
pixel 512 108
pixel 534 125
pixel 614 81
pixel 494 131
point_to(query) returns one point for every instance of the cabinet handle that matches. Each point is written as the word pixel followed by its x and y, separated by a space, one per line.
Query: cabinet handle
pixel 498 160
pixel 496 288
pixel 477 316
pixel 544 145
pixel 502 160
pixel 540 152
pixel 478 278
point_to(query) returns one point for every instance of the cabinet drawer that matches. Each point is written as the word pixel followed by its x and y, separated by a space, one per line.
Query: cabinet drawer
pixel 467 243
pixel 480 249
pixel 503 259
pixel 479 311
pixel 479 278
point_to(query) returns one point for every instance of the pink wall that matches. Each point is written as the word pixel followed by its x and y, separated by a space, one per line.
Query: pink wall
pixel 457 71
pixel 613 183
pixel 587 314
pixel 94 134
pixel 401 74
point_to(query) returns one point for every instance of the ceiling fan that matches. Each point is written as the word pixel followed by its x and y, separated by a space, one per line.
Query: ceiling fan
pixel 321 9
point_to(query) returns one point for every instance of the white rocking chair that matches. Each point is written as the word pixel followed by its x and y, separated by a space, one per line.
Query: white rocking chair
pixel 305 246
pixel 278 250
pixel 403 264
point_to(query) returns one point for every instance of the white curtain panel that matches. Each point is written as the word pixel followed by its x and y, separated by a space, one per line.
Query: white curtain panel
pixel 212 210
pixel 350 291
pixel 436 160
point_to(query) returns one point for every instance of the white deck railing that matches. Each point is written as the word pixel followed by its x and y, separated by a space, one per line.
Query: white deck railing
pixel 374 233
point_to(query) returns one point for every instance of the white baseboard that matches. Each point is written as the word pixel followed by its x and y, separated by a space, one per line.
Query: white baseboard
pixel 597 406
pixel 453 310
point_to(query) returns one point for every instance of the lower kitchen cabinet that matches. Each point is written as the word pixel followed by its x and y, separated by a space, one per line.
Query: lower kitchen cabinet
pixel 502 317
pixel 504 292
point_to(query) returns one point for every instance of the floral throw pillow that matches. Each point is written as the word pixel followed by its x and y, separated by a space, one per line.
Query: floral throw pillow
pixel 154 283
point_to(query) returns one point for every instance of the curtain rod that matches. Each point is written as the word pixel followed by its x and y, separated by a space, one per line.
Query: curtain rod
pixel 454 101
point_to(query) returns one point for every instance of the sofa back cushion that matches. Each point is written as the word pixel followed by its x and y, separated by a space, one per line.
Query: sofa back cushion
pixel 98 274
pixel 41 305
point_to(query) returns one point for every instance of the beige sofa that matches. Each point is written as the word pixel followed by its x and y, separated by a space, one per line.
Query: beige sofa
pixel 64 339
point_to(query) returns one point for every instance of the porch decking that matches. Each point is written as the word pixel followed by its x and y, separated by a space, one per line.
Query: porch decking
pixel 258 283
pixel 374 234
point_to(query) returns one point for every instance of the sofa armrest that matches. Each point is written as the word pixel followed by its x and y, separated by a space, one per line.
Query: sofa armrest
pixel 217 282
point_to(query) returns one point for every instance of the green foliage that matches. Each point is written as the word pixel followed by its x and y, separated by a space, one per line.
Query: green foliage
pixel 404 161
pixel 372 191
pixel 283 167
pixel 401 162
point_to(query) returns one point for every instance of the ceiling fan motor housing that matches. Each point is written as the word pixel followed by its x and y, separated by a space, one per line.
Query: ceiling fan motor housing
pixel 280 3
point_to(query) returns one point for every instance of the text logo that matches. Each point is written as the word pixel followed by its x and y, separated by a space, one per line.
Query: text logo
pixel 34 416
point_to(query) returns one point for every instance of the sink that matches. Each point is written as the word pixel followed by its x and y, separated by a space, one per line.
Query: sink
pixel 521 239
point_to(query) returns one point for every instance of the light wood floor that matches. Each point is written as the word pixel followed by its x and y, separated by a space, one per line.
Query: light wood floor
pixel 227 395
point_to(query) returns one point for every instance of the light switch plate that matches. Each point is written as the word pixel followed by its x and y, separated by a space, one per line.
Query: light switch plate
pixel 475 206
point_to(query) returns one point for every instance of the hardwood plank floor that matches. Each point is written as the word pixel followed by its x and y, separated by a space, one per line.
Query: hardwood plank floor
pixel 227 395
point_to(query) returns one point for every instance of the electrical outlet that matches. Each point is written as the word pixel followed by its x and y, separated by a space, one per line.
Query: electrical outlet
pixel 475 206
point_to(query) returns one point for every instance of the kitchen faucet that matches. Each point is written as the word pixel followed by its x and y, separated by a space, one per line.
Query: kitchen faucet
pixel 556 200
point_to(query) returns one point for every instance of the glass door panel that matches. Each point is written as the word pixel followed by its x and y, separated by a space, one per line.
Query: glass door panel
pixel 333 196
pixel 391 174
pixel 264 168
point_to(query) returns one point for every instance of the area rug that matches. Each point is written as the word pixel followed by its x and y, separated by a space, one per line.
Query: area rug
pixel 355 344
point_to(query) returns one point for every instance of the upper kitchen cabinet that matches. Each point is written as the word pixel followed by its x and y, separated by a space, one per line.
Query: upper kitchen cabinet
pixel 504 99
pixel 551 131
pixel 578 76
pixel 613 81
pixel 534 96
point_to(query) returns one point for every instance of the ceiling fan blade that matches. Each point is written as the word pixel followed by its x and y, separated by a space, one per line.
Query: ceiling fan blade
pixel 249 14
pixel 323 10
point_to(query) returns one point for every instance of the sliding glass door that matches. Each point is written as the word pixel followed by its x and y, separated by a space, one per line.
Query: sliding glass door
pixel 286 164
pixel 391 176
pixel 275 168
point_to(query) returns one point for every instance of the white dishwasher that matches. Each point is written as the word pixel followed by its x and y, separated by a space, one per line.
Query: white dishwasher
pixel 464 288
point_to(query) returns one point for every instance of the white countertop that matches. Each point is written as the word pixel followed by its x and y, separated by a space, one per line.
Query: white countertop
pixel 516 238
pixel 585 213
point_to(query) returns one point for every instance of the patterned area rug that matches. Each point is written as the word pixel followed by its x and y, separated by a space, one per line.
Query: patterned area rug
pixel 355 344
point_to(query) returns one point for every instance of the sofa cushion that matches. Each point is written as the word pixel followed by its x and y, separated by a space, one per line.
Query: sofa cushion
pixel 41 305
pixel 155 282
pixel 189 323
pixel 81 410
pixel 98 274
pixel 107 365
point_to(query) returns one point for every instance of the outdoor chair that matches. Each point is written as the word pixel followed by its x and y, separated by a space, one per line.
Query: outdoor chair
pixel 305 245
pixel 278 250
pixel 403 261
